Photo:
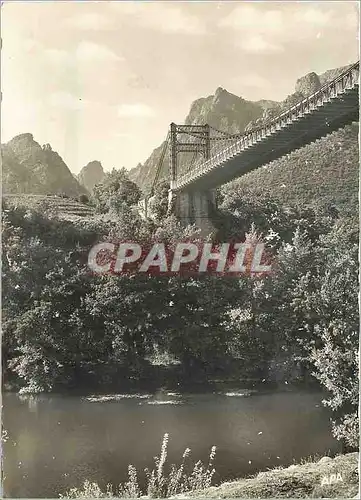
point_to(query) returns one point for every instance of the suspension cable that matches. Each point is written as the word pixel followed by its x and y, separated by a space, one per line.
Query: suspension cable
pixel 159 165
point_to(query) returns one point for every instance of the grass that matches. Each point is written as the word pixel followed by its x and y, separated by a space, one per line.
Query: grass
pixel 325 478
pixel 163 481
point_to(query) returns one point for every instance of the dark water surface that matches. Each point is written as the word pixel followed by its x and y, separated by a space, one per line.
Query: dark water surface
pixel 56 442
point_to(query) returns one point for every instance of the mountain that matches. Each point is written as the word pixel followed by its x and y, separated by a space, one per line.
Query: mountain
pixel 224 111
pixel 90 175
pixel 28 168
pixel 233 114
pixel 305 86
pixel 330 74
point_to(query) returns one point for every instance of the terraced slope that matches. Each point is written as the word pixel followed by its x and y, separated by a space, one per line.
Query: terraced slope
pixel 65 208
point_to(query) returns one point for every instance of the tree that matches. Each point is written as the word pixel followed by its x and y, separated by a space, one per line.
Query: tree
pixel 333 305
pixel 44 282
pixel 241 208
pixel 308 310
pixel 116 192
pixel 159 205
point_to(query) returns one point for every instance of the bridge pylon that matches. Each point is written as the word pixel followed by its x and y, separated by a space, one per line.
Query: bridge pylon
pixel 197 140
pixel 191 207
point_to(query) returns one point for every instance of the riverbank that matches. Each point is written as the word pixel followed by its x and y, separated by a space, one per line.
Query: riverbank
pixel 325 478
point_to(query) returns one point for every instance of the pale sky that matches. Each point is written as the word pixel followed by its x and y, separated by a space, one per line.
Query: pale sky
pixel 103 80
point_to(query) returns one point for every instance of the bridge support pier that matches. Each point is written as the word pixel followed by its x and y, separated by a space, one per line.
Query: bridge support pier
pixel 195 207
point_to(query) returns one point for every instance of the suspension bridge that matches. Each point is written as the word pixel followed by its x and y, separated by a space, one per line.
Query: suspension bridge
pixel 202 158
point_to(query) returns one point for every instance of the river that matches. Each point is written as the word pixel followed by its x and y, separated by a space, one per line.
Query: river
pixel 56 442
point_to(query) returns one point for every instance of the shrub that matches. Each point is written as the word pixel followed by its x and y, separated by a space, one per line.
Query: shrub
pixel 89 490
pixel 83 199
pixel 168 480
pixel 336 367
pixel 161 482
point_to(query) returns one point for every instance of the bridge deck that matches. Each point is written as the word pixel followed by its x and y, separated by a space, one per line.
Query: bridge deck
pixel 330 108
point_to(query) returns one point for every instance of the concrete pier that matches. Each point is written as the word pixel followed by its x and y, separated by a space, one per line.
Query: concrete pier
pixel 195 207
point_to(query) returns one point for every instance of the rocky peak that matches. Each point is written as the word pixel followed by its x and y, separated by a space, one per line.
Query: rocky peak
pixel 91 174
pixel 23 137
pixel 224 111
pixel 308 84
pixel 221 92
pixel 32 169
pixel 23 141
pixel 225 100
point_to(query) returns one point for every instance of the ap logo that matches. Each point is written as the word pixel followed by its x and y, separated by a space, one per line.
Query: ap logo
pixel 331 479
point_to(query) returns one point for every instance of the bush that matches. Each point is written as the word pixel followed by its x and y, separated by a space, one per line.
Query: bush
pixel 89 490
pixel 335 352
pixel 314 314
pixel 336 367
pixel 83 199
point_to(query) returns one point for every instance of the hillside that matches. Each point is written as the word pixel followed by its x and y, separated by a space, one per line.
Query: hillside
pixel 28 168
pixel 326 170
pixel 309 479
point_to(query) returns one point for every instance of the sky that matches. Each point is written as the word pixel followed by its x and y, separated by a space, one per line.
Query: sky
pixel 103 80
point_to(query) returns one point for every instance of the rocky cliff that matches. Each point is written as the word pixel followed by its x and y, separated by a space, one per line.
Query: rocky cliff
pixel 224 111
pixel 91 174
pixel 28 168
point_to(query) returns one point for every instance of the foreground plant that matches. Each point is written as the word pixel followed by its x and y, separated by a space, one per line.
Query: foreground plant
pixel 162 481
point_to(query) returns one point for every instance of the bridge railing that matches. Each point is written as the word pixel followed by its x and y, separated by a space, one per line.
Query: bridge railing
pixel 346 80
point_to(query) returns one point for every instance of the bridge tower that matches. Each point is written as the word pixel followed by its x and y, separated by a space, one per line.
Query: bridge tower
pixel 191 206
pixel 197 140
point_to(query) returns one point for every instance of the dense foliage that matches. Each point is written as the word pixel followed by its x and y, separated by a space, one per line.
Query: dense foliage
pixel 64 327
pixel 115 190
